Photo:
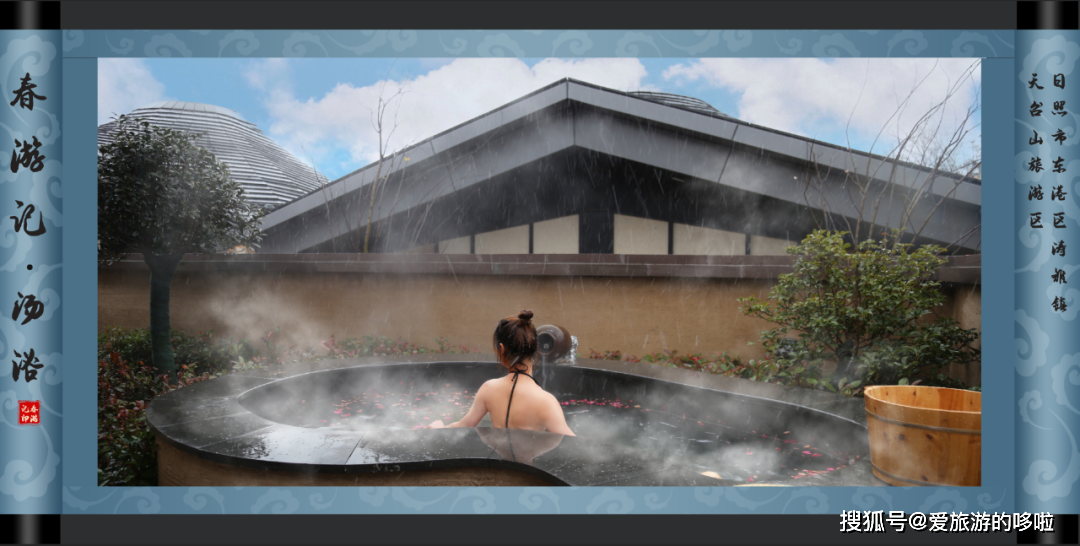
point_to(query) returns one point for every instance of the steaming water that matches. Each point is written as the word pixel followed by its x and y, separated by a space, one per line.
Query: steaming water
pixel 404 407
pixel 705 443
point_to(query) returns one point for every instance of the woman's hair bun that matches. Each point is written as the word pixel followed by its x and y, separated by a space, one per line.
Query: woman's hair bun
pixel 525 314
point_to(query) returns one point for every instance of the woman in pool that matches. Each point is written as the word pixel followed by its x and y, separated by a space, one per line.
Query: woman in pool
pixel 514 401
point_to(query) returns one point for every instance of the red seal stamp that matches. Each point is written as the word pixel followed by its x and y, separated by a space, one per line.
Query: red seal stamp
pixel 29 412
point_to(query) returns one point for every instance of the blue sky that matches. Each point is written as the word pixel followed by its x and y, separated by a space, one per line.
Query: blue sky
pixel 319 109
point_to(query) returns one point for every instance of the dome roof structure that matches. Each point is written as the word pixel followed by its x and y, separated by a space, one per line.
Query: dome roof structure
pixel 270 175
pixel 681 102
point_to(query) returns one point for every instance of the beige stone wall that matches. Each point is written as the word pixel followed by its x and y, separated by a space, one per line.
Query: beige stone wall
pixel 635 235
pixel 701 241
pixel 635 315
pixel 461 245
pixel 965 306
pixel 768 246
pixel 513 240
pixel 557 236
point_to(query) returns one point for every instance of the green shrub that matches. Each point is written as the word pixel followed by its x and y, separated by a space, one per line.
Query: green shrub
pixel 868 311
pixel 610 355
pixel 200 350
pixel 127 452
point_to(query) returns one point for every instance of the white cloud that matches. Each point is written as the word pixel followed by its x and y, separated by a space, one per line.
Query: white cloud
pixel 124 85
pixel 813 96
pixel 268 73
pixel 432 103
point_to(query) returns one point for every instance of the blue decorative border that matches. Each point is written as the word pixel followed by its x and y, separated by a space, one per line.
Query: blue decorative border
pixel 538 43
pixel 82 47
pixel 31 265
pixel 1048 348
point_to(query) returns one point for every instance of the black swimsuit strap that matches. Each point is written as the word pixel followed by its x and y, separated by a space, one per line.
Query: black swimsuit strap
pixel 511 400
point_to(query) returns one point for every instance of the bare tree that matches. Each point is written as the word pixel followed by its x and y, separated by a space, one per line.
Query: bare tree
pixel 378 123
pixel 869 185
pixel 384 123
pixel 390 183
pixel 324 184
pixel 416 220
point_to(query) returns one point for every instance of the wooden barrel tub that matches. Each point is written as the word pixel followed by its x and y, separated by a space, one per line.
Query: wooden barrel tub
pixel 925 435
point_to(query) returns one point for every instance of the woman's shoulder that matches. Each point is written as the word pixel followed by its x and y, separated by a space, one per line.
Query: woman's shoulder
pixel 485 391
pixel 549 405
pixel 488 385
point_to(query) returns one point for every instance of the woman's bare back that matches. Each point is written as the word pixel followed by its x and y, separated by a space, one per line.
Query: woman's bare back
pixel 530 408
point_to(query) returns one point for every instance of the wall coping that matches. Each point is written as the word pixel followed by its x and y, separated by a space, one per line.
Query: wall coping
pixel 959 269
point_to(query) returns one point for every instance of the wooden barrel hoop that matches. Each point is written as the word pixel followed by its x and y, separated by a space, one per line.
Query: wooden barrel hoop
pixel 926 427
pixel 907 480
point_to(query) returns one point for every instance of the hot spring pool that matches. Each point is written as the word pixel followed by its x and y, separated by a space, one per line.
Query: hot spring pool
pixel 655 429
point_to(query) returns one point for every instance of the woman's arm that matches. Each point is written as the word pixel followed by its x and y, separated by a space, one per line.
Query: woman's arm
pixel 471 419
pixel 554 420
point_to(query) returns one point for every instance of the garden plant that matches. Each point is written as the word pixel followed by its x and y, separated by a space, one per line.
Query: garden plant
pixel 869 310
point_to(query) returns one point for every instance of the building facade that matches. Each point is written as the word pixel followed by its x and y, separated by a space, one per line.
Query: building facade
pixel 574 168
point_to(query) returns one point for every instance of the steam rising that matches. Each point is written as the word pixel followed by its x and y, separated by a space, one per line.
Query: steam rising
pixel 675 426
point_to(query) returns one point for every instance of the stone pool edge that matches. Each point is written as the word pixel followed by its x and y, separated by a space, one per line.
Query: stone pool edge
pixel 220 396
